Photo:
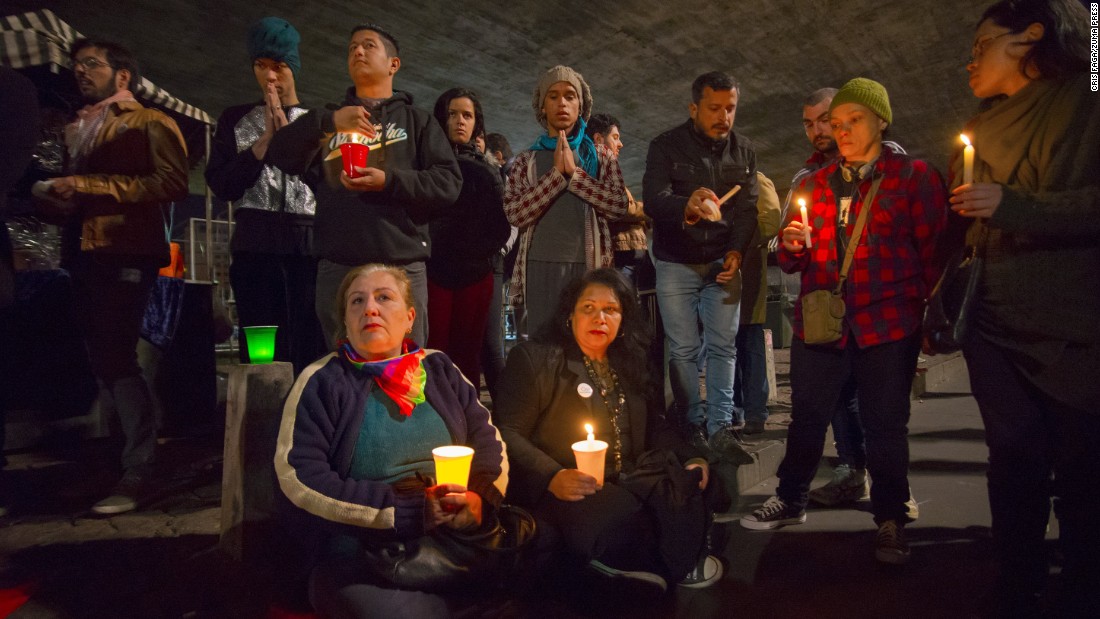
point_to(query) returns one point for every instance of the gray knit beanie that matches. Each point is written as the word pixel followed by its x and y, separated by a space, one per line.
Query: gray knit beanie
pixel 561 73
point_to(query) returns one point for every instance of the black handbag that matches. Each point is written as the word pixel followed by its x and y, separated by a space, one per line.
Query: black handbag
pixel 951 304
pixel 446 560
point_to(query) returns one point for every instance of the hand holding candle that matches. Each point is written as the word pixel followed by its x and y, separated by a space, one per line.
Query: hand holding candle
pixel 452 464
pixel 805 222
pixel 968 160
pixel 591 455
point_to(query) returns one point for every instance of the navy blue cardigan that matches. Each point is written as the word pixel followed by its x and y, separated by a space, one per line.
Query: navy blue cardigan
pixel 321 422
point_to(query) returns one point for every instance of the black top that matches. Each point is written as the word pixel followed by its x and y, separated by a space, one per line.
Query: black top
pixel 467 235
pixel 682 160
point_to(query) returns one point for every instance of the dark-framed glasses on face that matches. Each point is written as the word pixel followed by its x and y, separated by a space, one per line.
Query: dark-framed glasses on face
pixel 89 63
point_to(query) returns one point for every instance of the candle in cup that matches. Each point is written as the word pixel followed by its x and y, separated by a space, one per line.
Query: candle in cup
pixel 805 222
pixel 968 160
pixel 591 455
pixel 452 464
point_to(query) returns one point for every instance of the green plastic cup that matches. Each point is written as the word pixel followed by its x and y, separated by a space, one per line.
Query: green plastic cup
pixel 261 344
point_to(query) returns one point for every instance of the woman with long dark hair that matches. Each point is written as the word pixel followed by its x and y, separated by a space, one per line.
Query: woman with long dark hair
pixel 587 365
pixel 1034 351
pixel 465 238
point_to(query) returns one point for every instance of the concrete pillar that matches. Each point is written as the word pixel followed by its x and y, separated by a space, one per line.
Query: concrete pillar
pixel 254 408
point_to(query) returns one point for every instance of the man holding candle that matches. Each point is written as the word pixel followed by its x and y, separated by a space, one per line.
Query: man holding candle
pixel 849 482
pixel 903 204
pixel 382 215
pixel 273 272
pixel 698 254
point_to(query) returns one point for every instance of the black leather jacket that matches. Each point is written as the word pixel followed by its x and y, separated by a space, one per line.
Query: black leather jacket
pixel 682 160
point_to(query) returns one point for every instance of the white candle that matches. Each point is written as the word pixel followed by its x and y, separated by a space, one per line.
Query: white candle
pixel 968 160
pixel 588 429
pixel 805 222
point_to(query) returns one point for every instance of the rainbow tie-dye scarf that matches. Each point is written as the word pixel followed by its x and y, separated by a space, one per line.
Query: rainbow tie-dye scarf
pixel 401 377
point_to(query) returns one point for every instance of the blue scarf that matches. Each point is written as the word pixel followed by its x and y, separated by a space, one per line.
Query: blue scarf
pixel 581 143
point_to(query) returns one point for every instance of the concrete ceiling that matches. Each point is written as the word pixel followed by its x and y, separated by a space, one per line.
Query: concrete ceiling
pixel 639 56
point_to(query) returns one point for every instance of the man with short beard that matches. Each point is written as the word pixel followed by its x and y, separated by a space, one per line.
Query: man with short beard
pixel 381 214
pixel 561 194
pixel 126 162
pixel 698 246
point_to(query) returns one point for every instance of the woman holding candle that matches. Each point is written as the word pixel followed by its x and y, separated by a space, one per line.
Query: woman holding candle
pixel 355 446
pixel 903 205
pixel 1033 352
pixel 588 366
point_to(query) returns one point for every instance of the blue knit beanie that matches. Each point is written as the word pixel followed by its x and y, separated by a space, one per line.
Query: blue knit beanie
pixel 275 38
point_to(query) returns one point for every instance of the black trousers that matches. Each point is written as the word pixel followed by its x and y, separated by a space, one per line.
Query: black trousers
pixel 883 378
pixel 275 289
pixel 1038 448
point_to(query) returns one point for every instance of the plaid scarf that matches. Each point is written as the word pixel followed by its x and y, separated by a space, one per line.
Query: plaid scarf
pixel 401 377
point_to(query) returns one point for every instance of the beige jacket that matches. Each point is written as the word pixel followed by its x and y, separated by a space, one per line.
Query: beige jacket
pixel 754 266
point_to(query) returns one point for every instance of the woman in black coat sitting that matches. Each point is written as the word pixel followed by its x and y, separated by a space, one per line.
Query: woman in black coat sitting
pixel 649 520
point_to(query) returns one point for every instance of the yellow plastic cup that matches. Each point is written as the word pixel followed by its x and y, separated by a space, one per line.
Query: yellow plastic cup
pixel 452 464
pixel 591 456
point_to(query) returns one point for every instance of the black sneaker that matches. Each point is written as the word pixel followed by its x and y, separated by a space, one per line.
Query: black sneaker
pixel 706 573
pixel 728 444
pixel 774 513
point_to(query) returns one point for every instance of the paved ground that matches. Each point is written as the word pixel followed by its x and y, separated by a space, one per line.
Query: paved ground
pixel 163 562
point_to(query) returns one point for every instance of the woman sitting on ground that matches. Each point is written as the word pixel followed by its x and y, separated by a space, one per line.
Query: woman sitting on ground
pixel 355 446
pixel 588 366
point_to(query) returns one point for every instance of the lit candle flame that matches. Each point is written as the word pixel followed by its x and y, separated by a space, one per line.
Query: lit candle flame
pixel 966 140
pixel 588 429
pixel 802 202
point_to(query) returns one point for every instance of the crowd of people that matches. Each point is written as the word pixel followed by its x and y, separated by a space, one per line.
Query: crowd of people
pixel 391 272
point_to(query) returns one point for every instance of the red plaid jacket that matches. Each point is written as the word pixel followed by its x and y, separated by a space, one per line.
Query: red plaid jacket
pixel 892 271
pixel 527 198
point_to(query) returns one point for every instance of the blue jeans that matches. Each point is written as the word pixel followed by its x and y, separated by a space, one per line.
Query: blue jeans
pixel 688 294
pixel 750 385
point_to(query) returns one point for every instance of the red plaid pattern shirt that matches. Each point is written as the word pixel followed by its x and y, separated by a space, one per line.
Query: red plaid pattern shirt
pixel 527 198
pixel 892 271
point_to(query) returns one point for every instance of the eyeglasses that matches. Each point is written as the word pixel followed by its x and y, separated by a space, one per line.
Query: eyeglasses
pixel 89 63
pixel 980 45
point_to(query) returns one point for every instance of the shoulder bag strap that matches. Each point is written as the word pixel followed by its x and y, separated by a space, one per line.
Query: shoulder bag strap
pixel 857 233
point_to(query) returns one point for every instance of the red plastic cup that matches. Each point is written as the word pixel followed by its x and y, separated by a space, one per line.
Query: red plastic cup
pixel 354 155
